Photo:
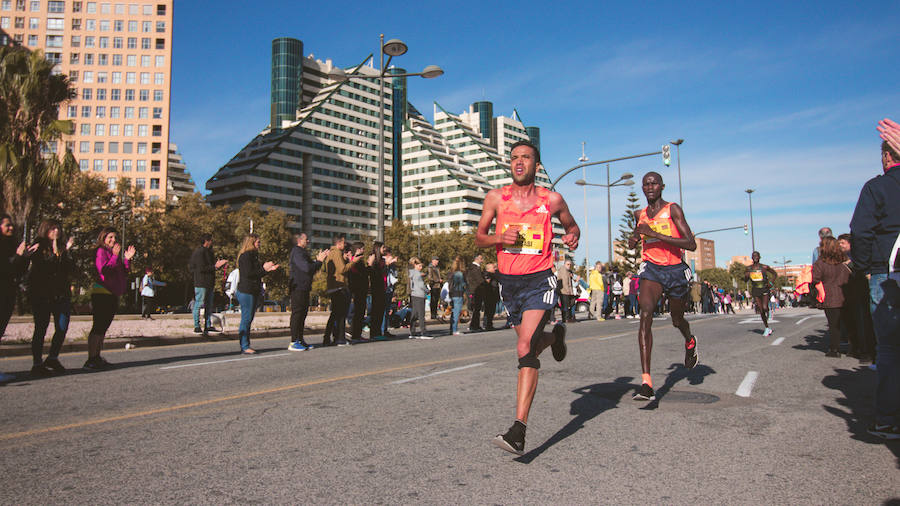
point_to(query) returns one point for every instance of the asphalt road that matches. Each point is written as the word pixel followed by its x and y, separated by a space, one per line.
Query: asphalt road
pixel 410 422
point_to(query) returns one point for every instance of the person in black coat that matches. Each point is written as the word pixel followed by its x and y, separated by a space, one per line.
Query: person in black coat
pixel 303 268
pixel 475 290
pixel 49 293
pixel 249 287
pixel 204 268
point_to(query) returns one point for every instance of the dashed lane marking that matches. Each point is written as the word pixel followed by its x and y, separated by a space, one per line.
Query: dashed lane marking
pixel 445 371
pixel 224 361
pixel 778 341
pixel 747 385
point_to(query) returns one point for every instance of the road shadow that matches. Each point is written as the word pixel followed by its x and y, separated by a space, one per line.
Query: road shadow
pixel 858 387
pixel 595 399
pixel 817 341
pixel 694 376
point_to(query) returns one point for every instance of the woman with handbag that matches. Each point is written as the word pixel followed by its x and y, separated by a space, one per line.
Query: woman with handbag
pixel 833 273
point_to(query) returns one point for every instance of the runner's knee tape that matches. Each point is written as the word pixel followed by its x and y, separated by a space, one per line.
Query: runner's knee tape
pixel 529 361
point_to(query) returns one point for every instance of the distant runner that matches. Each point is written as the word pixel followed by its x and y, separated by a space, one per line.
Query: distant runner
pixel 665 234
pixel 527 285
pixel 760 287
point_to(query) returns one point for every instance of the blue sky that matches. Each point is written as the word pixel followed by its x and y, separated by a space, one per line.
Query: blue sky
pixel 782 97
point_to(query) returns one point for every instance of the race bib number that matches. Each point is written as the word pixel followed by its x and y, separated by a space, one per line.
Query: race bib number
pixel 529 241
pixel 661 227
pixel 756 276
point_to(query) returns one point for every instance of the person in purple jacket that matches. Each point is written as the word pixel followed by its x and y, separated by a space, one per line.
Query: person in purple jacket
pixel 110 282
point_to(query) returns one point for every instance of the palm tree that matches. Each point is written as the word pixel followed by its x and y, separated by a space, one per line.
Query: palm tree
pixel 30 96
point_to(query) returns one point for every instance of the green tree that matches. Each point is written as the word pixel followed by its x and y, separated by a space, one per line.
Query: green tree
pixel 30 96
pixel 737 271
pixel 631 258
pixel 716 276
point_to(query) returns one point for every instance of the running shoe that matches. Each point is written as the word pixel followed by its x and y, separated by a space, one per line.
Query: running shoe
pixel 645 393
pixel 514 439
pixel 97 364
pixel 691 357
pixel 41 371
pixel 342 343
pixel 885 431
pixel 558 347
pixel 198 330
pixel 213 330
pixel 767 332
pixel 54 364
pixel 833 354
pixel 425 337
pixel 297 346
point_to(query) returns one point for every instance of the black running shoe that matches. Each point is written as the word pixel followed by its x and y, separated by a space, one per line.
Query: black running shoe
pixel 41 371
pixel 645 393
pixel 558 347
pixel 514 439
pixel 884 431
pixel 54 364
pixel 691 357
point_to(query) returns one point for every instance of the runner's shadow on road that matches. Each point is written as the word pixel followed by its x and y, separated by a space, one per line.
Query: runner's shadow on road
pixel 695 376
pixel 858 387
pixel 595 399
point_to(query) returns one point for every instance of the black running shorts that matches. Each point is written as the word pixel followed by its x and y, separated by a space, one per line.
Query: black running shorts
pixel 523 292
pixel 675 279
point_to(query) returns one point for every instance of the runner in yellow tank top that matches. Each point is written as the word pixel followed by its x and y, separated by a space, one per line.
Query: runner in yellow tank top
pixel 664 233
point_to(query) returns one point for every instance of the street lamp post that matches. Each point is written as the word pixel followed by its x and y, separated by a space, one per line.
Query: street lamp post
pixel 587 249
pixel 752 230
pixel 392 48
pixel 419 220
pixel 624 180
pixel 678 144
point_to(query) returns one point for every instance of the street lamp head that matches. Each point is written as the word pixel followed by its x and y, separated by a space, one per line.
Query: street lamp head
pixel 627 175
pixel 678 142
pixel 630 182
pixel 337 74
pixel 432 71
pixel 749 191
pixel 581 182
pixel 394 47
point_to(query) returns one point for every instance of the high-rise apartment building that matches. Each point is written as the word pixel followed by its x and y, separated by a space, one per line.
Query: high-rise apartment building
pixel 704 257
pixel 179 182
pixel 118 56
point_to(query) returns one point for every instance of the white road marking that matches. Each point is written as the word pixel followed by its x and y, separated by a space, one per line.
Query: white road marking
pixel 801 320
pixel 747 385
pixel 756 320
pixel 223 361
pixel 778 341
pixel 445 371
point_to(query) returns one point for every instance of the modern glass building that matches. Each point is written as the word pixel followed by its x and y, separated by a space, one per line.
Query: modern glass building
pixel 534 133
pixel 287 74
pixel 398 98
pixel 485 112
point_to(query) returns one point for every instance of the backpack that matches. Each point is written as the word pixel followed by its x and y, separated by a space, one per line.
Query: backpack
pixel 457 284
pixel 617 288
pixel 231 283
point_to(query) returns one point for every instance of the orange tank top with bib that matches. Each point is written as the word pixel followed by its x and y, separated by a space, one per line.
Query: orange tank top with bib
pixel 655 250
pixel 532 251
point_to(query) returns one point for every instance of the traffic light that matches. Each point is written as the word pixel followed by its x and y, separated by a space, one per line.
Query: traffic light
pixel 667 155
pixel 746 230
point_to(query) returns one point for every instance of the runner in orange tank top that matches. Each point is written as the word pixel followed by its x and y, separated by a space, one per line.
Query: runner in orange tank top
pixel 664 234
pixel 523 236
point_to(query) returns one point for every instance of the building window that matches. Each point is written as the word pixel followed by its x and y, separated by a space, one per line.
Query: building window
pixel 128 130
pixel 157 130
pixel 113 130
pixel 159 78
pixel 157 113
pixel 34 23
pixel 142 148
pixel 73 76
pixel 120 8
pixel 89 58
pixel 144 95
pixel 118 25
pixel 6 5
pixel 117 60
pixel 129 77
pixel 103 42
pixel 129 94
pixel 90 24
pixel 56 6
pixel 160 61
pixel 20 23
pixel 85 129
pixel 55 24
pixel 145 60
pixel 142 112
pixel 73 111
pixel 103 59
pixel 160 27
pixel 154 166
pixel 132 26
pixel 146 27
pixel 98 147
pixel 127 147
pixel 145 77
pixel 85 111
pixel 84 147
pixel 115 94
pixel 101 111
pixel 154 183
pixel 142 130
pixel 117 42
pixel 114 112
pixel 116 77
pixel 112 165
pixel 104 25
pixel 35 5
pixel 160 43
pixel 145 43
pixel 160 9
pixel 140 183
pixel 131 60
pixel 157 95
pixel 54 40
pixel 148 10
pixel 101 93
pixel 155 148
pixel 142 165
pixel 126 164
pixel 88 76
pixel 88 41
pixel 83 165
pixel 74 58
pixel 129 112
pixel 132 43
pixel 76 6
pixel 113 147
pixel 98 165
pixel 32 40
pixel 54 58
pixel 111 183
pixel 99 129
pixel 75 41
pixel 101 77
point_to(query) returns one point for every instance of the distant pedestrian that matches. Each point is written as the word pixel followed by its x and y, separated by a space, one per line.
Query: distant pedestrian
pixel 491 295
pixel 48 290
pixel 11 265
pixel 831 271
pixel 595 283
pixel 358 284
pixel 303 268
pixel 249 289
pixel 474 280
pixel 337 263
pixel 390 282
pixel 377 288
pixel 148 293
pixel 417 292
pixel 203 267
pixel 435 281
pixel 566 291
pixel 456 286
pixel 110 283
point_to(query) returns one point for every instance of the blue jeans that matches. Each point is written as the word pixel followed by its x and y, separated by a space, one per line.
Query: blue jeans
pixel 42 309
pixel 386 321
pixel 885 301
pixel 203 296
pixel 457 303
pixel 248 311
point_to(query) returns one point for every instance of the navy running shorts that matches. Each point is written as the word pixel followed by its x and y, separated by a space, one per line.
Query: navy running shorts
pixel 523 292
pixel 675 279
